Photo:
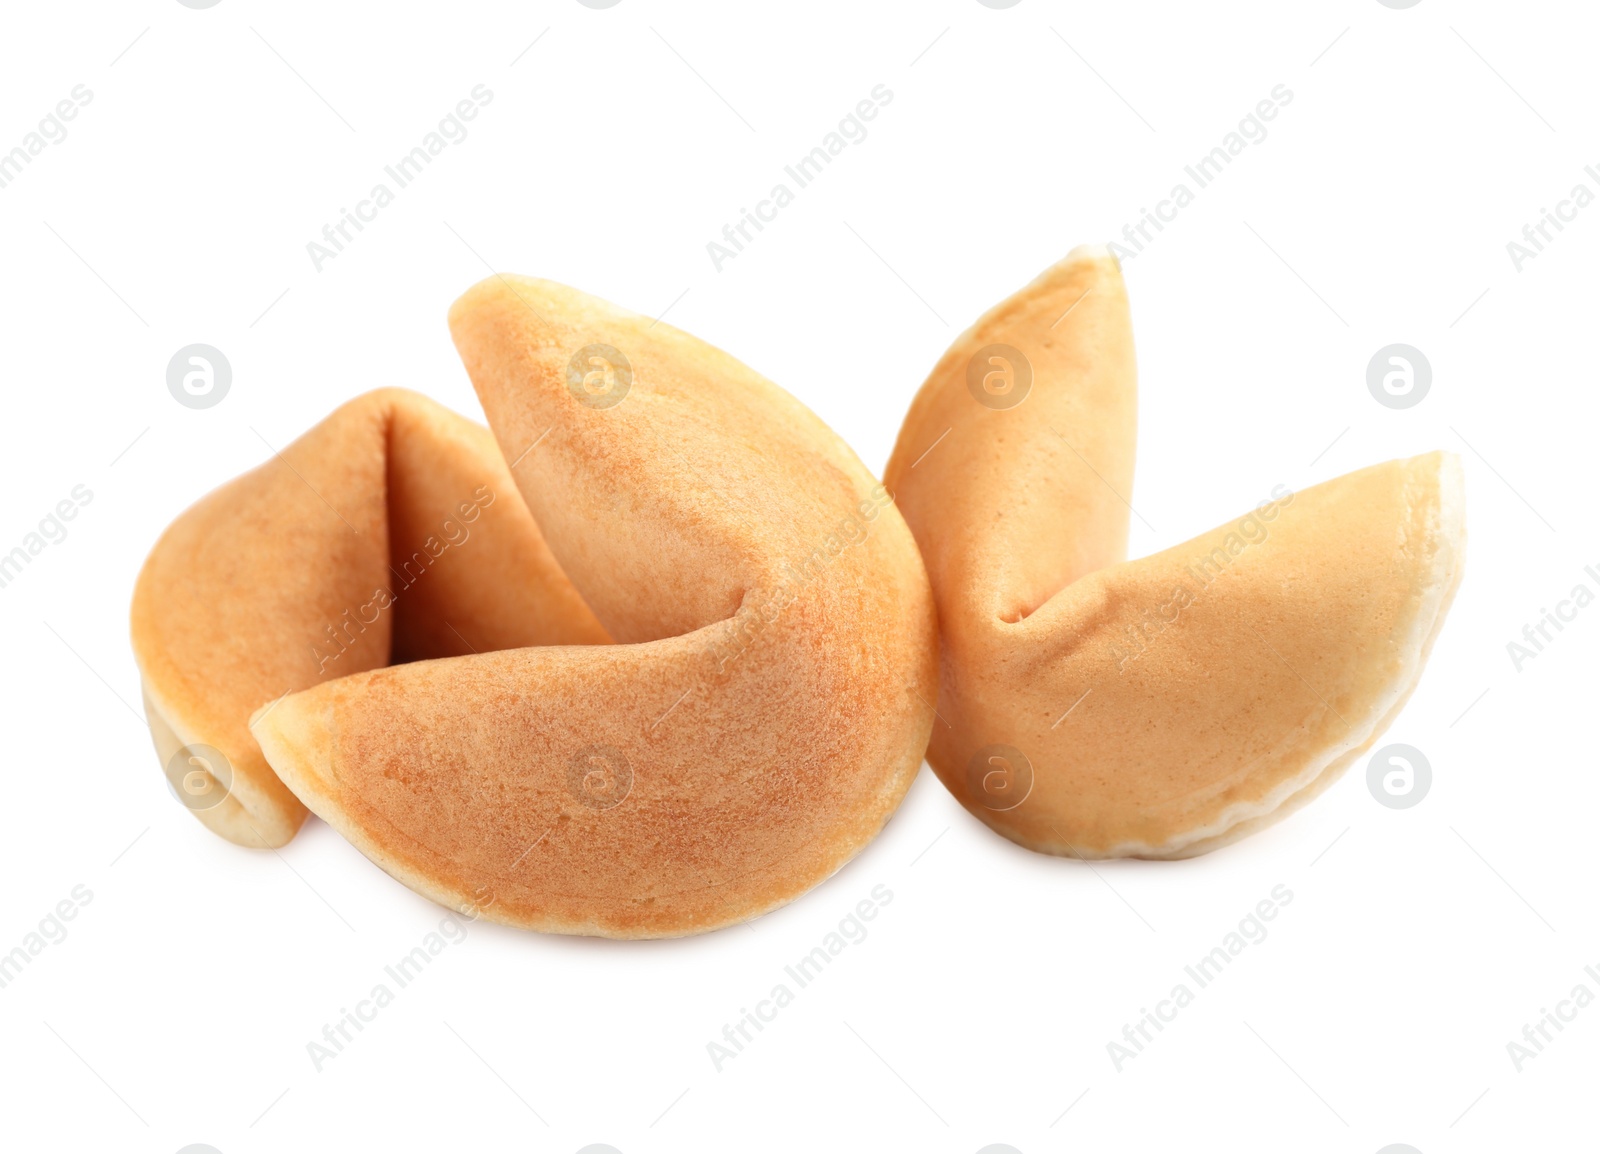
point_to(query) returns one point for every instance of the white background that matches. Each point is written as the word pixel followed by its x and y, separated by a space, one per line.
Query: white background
pixel 978 1011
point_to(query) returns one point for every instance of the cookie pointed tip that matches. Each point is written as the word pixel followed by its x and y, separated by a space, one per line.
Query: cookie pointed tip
pixel 1094 252
pixel 295 734
pixel 491 287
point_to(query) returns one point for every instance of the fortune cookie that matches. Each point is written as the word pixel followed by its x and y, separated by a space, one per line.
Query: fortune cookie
pixel 683 675
pixel 1095 707
pixel 390 532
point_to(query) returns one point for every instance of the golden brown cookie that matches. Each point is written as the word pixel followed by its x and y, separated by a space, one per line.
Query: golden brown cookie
pixel 768 698
pixel 392 531
pixel 1094 707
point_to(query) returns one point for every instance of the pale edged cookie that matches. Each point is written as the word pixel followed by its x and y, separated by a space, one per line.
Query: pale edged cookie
pixel 390 531
pixel 768 698
pixel 1093 707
